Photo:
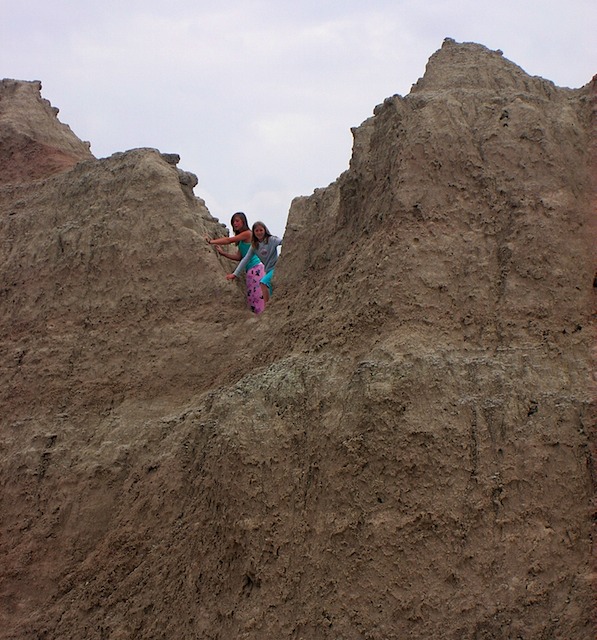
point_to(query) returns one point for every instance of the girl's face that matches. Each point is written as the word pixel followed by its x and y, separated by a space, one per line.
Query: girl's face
pixel 237 223
pixel 259 232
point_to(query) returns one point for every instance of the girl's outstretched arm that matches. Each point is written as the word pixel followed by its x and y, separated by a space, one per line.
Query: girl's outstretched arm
pixel 231 256
pixel 243 263
pixel 244 235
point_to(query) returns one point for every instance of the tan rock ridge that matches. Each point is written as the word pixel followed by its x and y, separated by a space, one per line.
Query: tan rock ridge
pixel 33 142
pixel 401 446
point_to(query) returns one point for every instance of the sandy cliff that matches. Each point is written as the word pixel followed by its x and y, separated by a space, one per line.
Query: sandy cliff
pixel 400 447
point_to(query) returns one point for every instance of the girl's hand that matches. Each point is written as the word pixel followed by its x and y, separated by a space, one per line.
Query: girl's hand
pixel 208 239
pixel 230 276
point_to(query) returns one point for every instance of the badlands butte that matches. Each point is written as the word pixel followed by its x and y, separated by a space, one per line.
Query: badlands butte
pixel 401 447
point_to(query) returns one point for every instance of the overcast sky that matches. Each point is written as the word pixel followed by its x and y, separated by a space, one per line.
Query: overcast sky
pixel 258 96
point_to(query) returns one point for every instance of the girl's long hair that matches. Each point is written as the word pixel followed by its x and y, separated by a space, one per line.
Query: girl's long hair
pixel 266 236
pixel 243 217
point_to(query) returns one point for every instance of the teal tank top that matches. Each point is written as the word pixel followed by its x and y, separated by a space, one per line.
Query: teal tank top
pixel 244 247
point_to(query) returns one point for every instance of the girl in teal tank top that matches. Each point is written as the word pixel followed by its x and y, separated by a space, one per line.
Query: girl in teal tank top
pixel 254 268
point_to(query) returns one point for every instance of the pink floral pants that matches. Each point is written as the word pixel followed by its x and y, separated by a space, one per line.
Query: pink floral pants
pixel 254 295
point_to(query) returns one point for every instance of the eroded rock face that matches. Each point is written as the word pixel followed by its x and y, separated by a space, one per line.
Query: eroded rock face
pixel 33 142
pixel 464 215
pixel 399 447
pixel 106 274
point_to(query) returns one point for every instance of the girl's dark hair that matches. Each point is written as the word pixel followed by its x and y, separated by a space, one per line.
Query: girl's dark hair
pixel 266 236
pixel 243 217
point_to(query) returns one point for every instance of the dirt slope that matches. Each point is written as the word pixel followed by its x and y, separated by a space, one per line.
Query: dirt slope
pixel 400 447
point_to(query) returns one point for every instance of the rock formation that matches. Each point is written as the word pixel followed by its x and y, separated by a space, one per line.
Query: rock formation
pixel 33 143
pixel 400 447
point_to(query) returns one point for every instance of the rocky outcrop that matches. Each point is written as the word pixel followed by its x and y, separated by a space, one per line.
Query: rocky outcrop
pixel 463 217
pixel 399 447
pixel 33 143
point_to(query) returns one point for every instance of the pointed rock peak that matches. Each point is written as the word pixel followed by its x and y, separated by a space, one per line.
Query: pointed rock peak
pixel 473 66
pixel 33 142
